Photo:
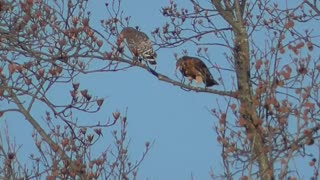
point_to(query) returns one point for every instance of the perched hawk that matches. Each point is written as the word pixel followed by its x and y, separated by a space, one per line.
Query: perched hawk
pixel 139 44
pixel 194 68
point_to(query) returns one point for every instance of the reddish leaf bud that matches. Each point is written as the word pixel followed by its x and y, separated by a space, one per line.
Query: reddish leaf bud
pixel 65 142
pixel 62 42
pixel 147 144
pixel 75 86
pixel 83 130
pixel 26 65
pixel 73 93
pixel 75 21
pixel 99 43
pixel 98 131
pixel 99 162
pixel 116 115
pixel 233 107
pixel 70 5
pixel 289 24
pixel 30 2
pixel 108 55
pixel 11 155
pixel 300 45
pixel 84 92
pixel 52 71
pixel 310 141
pixel 85 22
pixel 34 27
pixel 47 9
pixel 58 69
pixel 51 50
pixel 12 68
pixel 258 64
pixel 41 72
pixel 310 45
pixel 28 81
pixel 55 148
pixel 88 97
pixel 19 68
pixel 100 102
pixel 312 163
pixel 199 50
pixel 1 92
pixel 90 137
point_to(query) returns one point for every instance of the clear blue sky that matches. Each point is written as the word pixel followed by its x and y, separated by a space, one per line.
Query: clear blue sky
pixel 178 121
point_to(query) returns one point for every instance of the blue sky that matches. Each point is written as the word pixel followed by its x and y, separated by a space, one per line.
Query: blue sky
pixel 178 121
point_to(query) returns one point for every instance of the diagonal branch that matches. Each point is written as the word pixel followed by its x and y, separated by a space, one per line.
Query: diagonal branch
pixel 165 78
pixel 226 14
pixel 37 126
pixel 314 7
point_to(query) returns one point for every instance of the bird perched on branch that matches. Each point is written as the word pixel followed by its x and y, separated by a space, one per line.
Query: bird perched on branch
pixel 139 44
pixel 194 68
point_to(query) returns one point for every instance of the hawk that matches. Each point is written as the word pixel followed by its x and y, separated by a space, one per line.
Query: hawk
pixel 194 68
pixel 139 44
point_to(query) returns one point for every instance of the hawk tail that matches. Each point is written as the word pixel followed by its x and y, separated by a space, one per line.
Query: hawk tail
pixel 150 56
pixel 210 82
pixel 152 61
pixel 208 79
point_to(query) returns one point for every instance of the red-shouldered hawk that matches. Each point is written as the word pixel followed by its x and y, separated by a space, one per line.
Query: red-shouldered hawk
pixel 194 68
pixel 139 44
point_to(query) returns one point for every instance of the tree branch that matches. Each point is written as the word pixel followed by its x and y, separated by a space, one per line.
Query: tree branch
pixel 227 15
pixel 165 78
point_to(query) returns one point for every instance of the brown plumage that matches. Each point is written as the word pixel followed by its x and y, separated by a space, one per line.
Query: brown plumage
pixel 139 44
pixel 194 68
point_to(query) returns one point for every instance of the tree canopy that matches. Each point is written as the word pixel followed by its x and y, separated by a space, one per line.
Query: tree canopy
pixel 266 106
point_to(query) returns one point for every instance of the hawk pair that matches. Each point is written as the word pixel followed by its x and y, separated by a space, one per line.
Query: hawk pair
pixel 141 47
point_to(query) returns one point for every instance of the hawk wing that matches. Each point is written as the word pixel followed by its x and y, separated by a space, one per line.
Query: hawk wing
pixel 194 68
pixel 205 73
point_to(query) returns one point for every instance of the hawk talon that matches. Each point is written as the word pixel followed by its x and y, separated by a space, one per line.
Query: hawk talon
pixel 135 61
